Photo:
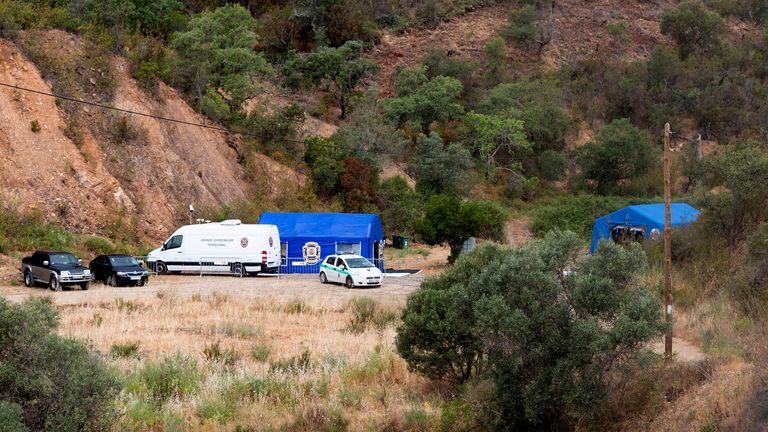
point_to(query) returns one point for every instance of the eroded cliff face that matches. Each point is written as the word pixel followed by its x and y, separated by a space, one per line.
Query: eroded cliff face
pixel 116 165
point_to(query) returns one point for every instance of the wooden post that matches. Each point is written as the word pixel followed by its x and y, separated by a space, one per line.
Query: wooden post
pixel 667 247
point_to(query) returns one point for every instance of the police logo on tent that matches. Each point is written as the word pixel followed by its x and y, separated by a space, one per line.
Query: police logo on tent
pixel 311 253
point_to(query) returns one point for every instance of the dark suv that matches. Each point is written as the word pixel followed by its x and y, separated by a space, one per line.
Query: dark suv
pixel 56 269
pixel 117 270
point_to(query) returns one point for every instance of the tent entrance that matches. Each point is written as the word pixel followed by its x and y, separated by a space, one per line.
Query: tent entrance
pixel 624 234
pixel 378 254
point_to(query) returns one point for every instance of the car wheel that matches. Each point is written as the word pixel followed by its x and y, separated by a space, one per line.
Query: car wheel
pixel 142 282
pixel 111 280
pixel 349 282
pixel 85 285
pixel 28 281
pixel 237 269
pixel 53 283
pixel 161 268
pixel 323 278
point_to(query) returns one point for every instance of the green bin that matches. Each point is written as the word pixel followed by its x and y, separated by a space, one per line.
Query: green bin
pixel 400 242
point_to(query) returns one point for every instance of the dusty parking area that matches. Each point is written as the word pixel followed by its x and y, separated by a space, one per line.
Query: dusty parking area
pixel 394 291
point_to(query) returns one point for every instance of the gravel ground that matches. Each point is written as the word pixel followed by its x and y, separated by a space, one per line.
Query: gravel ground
pixel 308 288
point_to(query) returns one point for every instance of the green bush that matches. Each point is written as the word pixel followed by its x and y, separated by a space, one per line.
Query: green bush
pixel 296 306
pixel 10 418
pixel 261 352
pixel 573 213
pixel 299 363
pixel 366 313
pixel 126 350
pixel 220 410
pixel 520 27
pixel 400 206
pixel 449 220
pixel 47 382
pixel 214 353
pixel 547 341
pixel 693 27
pixel 99 245
pixel 620 153
pixel 160 381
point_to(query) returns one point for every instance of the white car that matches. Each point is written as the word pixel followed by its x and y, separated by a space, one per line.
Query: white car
pixel 350 270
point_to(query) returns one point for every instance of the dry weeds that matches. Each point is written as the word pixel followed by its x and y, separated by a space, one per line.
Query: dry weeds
pixel 355 377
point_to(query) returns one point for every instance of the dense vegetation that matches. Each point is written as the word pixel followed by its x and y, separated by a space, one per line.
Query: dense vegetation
pixel 47 382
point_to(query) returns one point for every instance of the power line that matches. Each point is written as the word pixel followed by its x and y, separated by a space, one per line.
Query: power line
pixel 127 111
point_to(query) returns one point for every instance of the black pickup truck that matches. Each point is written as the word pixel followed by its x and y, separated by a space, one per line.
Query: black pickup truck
pixel 56 269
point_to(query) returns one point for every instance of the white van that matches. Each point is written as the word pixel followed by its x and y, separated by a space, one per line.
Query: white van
pixel 224 247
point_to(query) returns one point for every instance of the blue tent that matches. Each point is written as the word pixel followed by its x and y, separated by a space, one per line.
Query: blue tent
pixel 302 234
pixel 641 220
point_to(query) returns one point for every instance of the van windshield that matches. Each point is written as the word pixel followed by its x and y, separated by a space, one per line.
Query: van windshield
pixel 359 263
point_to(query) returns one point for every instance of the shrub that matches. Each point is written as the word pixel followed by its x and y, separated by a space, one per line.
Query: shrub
pixel 318 418
pixel 238 330
pixel 161 381
pixel 438 168
pixel 400 206
pixel 296 306
pixel 214 353
pixel 130 349
pixel 620 153
pixel 48 382
pixel 34 126
pixel 546 341
pixel 520 27
pixel 299 363
pixel 423 100
pixel 220 410
pixel 449 220
pixel 99 245
pixel 573 213
pixel 693 27
pixel 260 352
pixel 366 313
pixel 10 418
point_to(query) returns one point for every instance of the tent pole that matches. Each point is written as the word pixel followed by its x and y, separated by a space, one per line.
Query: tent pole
pixel 667 248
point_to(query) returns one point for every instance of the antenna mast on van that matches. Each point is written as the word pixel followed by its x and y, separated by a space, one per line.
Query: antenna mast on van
pixel 191 212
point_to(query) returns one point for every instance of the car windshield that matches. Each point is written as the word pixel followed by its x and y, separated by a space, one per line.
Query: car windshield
pixel 359 263
pixel 123 261
pixel 63 259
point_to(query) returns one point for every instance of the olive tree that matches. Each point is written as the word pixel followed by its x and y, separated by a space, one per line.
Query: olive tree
pixel 448 220
pixel 342 69
pixel 543 324
pixel 693 27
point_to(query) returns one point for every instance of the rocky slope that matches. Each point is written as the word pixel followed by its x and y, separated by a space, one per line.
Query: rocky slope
pixel 153 175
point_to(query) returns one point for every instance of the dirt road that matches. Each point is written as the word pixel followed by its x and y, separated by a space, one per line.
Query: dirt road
pixel 304 287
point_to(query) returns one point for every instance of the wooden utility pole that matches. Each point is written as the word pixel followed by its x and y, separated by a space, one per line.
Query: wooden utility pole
pixel 667 247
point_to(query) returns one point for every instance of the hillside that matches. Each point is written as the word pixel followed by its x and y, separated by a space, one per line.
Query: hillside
pixel 153 176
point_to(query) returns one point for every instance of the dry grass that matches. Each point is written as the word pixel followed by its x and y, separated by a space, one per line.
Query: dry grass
pixel 278 364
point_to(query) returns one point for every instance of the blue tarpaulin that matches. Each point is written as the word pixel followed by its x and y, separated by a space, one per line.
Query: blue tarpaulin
pixel 332 232
pixel 644 216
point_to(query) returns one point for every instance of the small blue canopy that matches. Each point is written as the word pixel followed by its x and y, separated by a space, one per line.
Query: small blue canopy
pixel 333 232
pixel 646 216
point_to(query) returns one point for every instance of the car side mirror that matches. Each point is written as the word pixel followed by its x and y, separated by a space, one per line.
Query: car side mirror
pixel 165 246
pixel 79 261
pixel 45 263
